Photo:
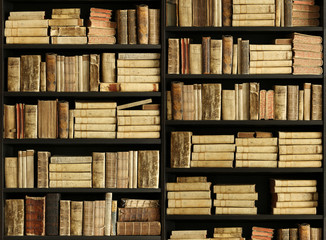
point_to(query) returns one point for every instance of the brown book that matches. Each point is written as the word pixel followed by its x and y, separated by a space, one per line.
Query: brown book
pixel 138 228
pixel 199 13
pixel 307 55
pixel 71 31
pixel 304 231
pixel 305 8
pixel 43 169
pixel 195 58
pixel 148 169
pixel 52 214
pixel 98 170
pixel 168 105
pixel 30 123
pixel 94 72
pixel 138 214
pixel 122 24
pixel 173 56
pixel 206 51
pixel 244 56
pixel 297 22
pixel 280 102
pixel 288 13
pixel 142 24
pixel 66 22
pixel 307 47
pixel 88 218
pixel 111 170
pixel 177 100
pixel 131 19
pixel 316 233
pixel 154 26
pixel 122 170
pixel 99 215
pixel 283 233
pixel 100 24
pixel 30 70
pixel 35 216
pixel 293 234
pixel 76 218
pixel 64 222
pixel 300 70
pixel 13 79
pixel 63 118
pixel 180 149
pixel 307 101
pixel 95 31
pixel 227 12
pixel 191 179
pixel 14 217
pixel 262 104
pixel 254 101
pixel 293 102
pixel 316 102
pixel 43 77
pixel 47 119
pixel 269 104
pixel 227 54
pixel 211 101
pixel 228 105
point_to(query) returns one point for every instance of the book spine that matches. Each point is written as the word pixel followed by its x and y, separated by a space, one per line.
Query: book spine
pixel 195 57
pixel 64 218
pixel 254 101
pixel 51 72
pixel 98 170
pixel 35 216
pixel 122 26
pixel 108 68
pixel 227 43
pixel 63 114
pixel 142 24
pixel 177 103
pixel 108 212
pixel 293 102
pixel 13 79
pixel 132 34
pixel 280 101
pixel 173 56
pixel 154 26
pixel 226 12
pixel 206 47
pixel 316 102
pixel 94 72
pixel 244 57
pixel 76 218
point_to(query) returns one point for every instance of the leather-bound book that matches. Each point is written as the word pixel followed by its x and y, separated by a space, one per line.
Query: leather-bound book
pixel 14 217
pixel 138 228
pixel 111 169
pixel 154 26
pixel 180 149
pixel 35 216
pixel 43 77
pixel 13 79
pixel 63 114
pixel 199 13
pixel 30 70
pixel 317 102
pixel 122 16
pixel 88 218
pixel 226 12
pixel 51 72
pixel 254 100
pixel 132 30
pixel 98 169
pixel 227 43
pixel 76 218
pixel 142 24
pixel 138 214
pixel 64 218
pixel 99 216
pixel 168 105
pixel 244 56
pixel 9 121
pixel 304 231
pixel 177 103
pixel 94 72
pixel 293 234
pixel 185 13
pixel 283 233
pixel 195 56
pixel 280 102
pixel 211 101
pixel 52 214
pixel 30 128
pixel 173 56
pixel 148 169
pixel 293 102
pixel 43 169
pixel 206 51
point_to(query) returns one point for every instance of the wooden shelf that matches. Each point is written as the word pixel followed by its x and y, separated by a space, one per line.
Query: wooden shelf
pixel 81 190
pixel 243 170
pixel 243 29
pixel 242 123
pixel 82 94
pixel 264 77
pixel 259 217
pixel 88 141
pixel 83 237
pixel 112 47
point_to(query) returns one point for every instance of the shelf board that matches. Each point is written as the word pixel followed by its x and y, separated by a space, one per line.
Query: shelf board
pixel 90 141
pixel 242 123
pixel 82 94
pixel 243 170
pixel 83 237
pixel 259 217
pixel 240 76
pixel 113 47
pixel 243 29
pixel 81 190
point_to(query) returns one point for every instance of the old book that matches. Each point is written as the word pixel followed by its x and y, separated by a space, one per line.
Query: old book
pixel 97 31
pixel 43 169
pixel 262 104
pixel 64 222
pixel 216 56
pixel 88 218
pixel 195 56
pixel 294 197
pixel 212 163
pixel 254 101
pixel 206 47
pixel 122 169
pixel 227 45
pixel 185 11
pixel 214 148
pixel 188 186
pixel 234 188
pixel 10 129
pixel 180 149
pixel 270 55
pixel 70 176
pixel 66 22
pixel 30 69
pixel 67 11
pixel 94 72
pixel 99 215
pixel 138 71
pixel 29 168
pixel 316 233
pixel 101 40
pixel 294 211
pixel 212 101
pixel 226 12
pixel 188 211
pixel 138 203
pixel 295 204
pixel 256 163
pixel 234 203
pixel 250 22
pixel 173 56
pixel 300 164
pixel 297 70
pixel 131 26
pixel 107 216
pixel 257 149
pixel 191 179
pixel 253 16
pixel 302 135
pixel 47 119
pixel 199 13
pixel 95 127
pixel 244 56
pixel 269 104
pixel 212 139
pixel 280 99
pixel 138 120
pixel 14 217
pixel 95 23
pixel 237 196
pixel 138 135
pixel 300 149
pixel 13 79
pixel 138 214
pixel 142 24
pixel 134 56
pixel 292 102
pixel 63 119
pixel 108 67
pixel 272 63
pixel 70 167
pixel 145 128
pixel 43 77
pixel 71 31
pixel 32 23
pixel 187 234
pixel 52 214
pixel 230 210
pixel 30 123
pixel 35 216
pixel 70 183
pixel 293 183
pixel 98 169
pixel 168 105
pixel 228 105
pixel 11 172
pixel 256 142
pixel 114 216
pixel 95 112
pixel 138 63
pixel 148 169
pixel 76 218
pixel 294 189
pixel 95 105
pixel 68 40
pixel 138 228
pixel 245 114
pixel 179 203
pixel 189 195
pixel 27 40
pixel 154 26
pixel 289 141
pixel 254 8
pixel 316 102
pixel 122 24
pixel 300 157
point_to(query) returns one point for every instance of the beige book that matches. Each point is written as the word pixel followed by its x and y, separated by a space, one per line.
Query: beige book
pixel 228 105
pixel 185 13
pixel 293 102
pixel 30 168
pixel 255 23
pixel 9 121
pixel 256 142
pixel 126 63
pixel 64 16
pixel 253 8
pixel 43 77
pixel 294 189
pixel 88 218
pixel 195 58
pixel 91 134
pixel 108 64
pixel 188 211
pixel 137 165
pixel 289 141
pixel 134 104
pixel 13 79
pixel 272 63
pixel 300 149
pixel 216 56
pixel 256 164
pixel 94 112
pixel 137 203
pixel 189 195
pixel 191 179
pixel 208 139
pixel 257 149
pixel 270 70
pixel 245 101
pixel 254 101
pixel 234 203
pixel 138 112
pixel 278 13
pixel 229 236
pixel 236 89
pixel 95 105
pixel 210 163
pixel 95 120
pixel 293 164
pixel 70 176
pixel 148 169
pixel 295 197
pixel 301 157
pixel 304 204
pixel 280 102
pixel 66 22
pixel 316 233
pixel 107 216
pixel 22 14
pixel 30 124
pixel 270 55
pixel 138 135
pixel 43 169
pixel 145 128
pixel 135 56
pixel 230 210
pixel 254 16
pixel 293 183
pixel 270 47
pixel 138 79
pixel 316 102
pixel 70 184
pixel 68 40
pixel 228 229
pixel 98 169
pixel 214 148
pixel 11 172
pixel 70 31
pixel 138 71
pixel 301 104
pixel 256 156
pixel 76 218
pixel 148 120
pixel 187 233
pixel 237 196
pixel 27 40
pixel 64 221
pixel 99 215
pixel 66 11
pixel 71 159
pixel 213 156
pixel 306 101
pixel 95 127
pixel 180 203
pixel 253 2
pixel 234 188
pixel 70 167
pixel 14 217
pixel 303 135
pixel 26 32
pixel 294 211
pixel 22 177
pixel 27 24
pixel 188 186
pixel 235 59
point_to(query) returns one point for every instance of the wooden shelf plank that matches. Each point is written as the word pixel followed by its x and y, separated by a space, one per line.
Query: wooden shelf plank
pixel 243 29
pixel 113 47
pixel 259 217
pixel 113 141
pixel 243 170
pixel 240 76
pixel 242 123
pixel 82 94
pixel 81 190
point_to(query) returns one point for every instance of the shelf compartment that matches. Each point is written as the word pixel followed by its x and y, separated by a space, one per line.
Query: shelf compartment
pixel 243 170
pixel 83 237
pixel 240 76
pixel 82 94
pixel 112 141
pixel 243 29
pixel 113 47
pixel 259 217
pixel 81 190
pixel 243 123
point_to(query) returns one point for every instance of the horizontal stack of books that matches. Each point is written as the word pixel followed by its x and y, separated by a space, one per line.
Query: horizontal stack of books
pixel 227 233
pixel 262 233
pixel 256 150
pixel 189 196
pixel 301 13
pixel 300 149
pixel 235 199
pixel 189 234
pixel 27 28
pixel 294 196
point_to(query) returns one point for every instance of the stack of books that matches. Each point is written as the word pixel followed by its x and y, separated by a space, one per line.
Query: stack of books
pixel 139 217
pixel 189 196
pixel 189 234
pixel 301 13
pixel 308 54
pixel 138 123
pixel 93 120
pixel 212 151
pixel 294 196
pixel 300 149
pixel 27 28
pixel 101 30
pixel 256 150
pixel 250 13
pixel 228 233
pixel 270 59
pixel 237 199
pixel 262 233
pixel 67 27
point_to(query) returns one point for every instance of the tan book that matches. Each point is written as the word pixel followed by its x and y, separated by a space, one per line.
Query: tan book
pixel 256 156
pixel 307 204
pixel 293 102
pixel 71 31
pixel 195 56
pixel 234 188
pixel 138 112
pixel 138 134
pixel 145 128
pixel 134 104
pixel 189 195
pixel 211 101
pixel 234 203
pixel 30 123
pixel 272 63
pixel 122 169
pixel 227 50
pixel 138 120
pixel 295 197
pixel 30 70
pixel 301 157
pixel 64 218
pixel 212 156
pixel 254 101
pixel 254 16
pixel 88 218
pixel 94 120
pixel 11 172
pixel 256 142
pixel 95 105
pixel 76 218
pixel 270 55
pixel 198 203
pixel 70 176
pixel 70 184
pixel 263 134
pixel 230 210
pixel 27 24
pixel 280 102
pixel 228 229
pixel 26 32
pixel 294 189
pixel 299 149
pixel 68 40
pixel 245 101
pixel 98 169
pixel 188 186
pixel 43 169
pixel 99 215
pixel 292 164
pixel 301 105
pixel 257 149
pixel 294 211
pixel 66 22
pixel 43 77
pixel 252 2
pixel 138 79
pixel 148 169
pixel 316 102
pixel 212 163
pixel 21 14
pixel 188 211
pixel 235 59
pixel 107 216
pixel 134 56
pixel 315 233
pixel 92 134
pixel 186 234
pixel 303 135
pixel 70 167
pixel 214 148
pixel 14 217
pixel 94 112
pixel 67 11
pixel 108 64
pixel 30 168
pixel 13 79
pixel 293 183
pixel 65 16
pixel 237 196
pixel 265 8
pixel 185 13
pixel 296 141
pixel 9 122
pixel 216 56
pixel 270 47
pixel 228 105
pixel 270 70
pixel 256 23
pixel 138 71
pixel 191 179
pixel 256 163
pixel 126 63
pixel 212 139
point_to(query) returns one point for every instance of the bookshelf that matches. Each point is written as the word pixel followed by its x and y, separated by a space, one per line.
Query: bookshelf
pixel 259 176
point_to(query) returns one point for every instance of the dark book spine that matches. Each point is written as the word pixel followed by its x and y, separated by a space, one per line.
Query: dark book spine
pixel 287 13
pixel 206 51
pixel 122 27
pixel 132 35
pixel 63 111
pixel 227 12
pixel 35 216
pixel 244 56
pixel 227 43
pixel 51 69
pixel 142 24
pixel 52 214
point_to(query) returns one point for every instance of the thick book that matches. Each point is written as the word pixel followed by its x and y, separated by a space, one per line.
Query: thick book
pixel 211 101
pixel 14 217
pixel 138 214
pixel 13 78
pixel 142 23
pixel 88 218
pixel 180 149
pixel 11 172
pixel 98 169
pixel 138 228
pixel 227 45
pixel 35 216
pixel 43 169
pixel 148 169
pixel 64 218
pixel 52 214
pixel 76 218
pixel 122 24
